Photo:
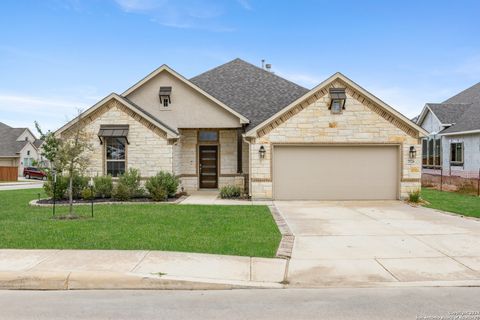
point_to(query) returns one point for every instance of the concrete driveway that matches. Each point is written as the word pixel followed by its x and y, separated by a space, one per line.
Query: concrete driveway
pixel 351 243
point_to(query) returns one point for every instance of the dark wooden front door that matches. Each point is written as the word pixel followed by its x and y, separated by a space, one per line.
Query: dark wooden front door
pixel 208 166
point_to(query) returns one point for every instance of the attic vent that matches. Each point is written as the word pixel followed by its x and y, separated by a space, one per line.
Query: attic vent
pixel 164 95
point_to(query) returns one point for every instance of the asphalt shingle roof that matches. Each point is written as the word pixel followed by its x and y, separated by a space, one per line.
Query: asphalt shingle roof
pixel 9 146
pixel 463 110
pixel 448 112
pixel 253 92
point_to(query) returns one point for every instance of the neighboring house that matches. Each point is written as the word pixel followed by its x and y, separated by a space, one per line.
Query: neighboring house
pixel 18 147
pixel 240 124
pixel 453 142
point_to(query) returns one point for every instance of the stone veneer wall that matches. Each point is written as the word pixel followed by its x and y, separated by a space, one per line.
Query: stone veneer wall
pixel 148 151
pixel 315 124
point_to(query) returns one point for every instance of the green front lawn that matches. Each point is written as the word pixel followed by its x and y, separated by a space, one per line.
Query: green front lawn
pixel 453 202
pixel 234 230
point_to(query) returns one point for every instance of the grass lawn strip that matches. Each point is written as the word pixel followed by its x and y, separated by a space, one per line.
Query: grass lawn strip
pixel 231 230
pixel 463 204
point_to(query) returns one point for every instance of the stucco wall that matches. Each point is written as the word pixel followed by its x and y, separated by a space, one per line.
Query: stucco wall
pixel 471 144
pixel 431 123
pixel 315 124
pixel 188 108
pixel 147 151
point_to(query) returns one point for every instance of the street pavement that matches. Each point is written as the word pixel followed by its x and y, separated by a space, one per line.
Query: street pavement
pixel 354 303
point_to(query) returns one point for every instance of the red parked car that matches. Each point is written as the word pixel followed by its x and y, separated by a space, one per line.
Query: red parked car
pixel 32 172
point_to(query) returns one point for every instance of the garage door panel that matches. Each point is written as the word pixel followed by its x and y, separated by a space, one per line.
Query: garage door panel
pixel 335 172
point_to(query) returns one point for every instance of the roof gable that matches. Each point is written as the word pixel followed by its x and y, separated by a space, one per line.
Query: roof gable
pixel 90 113
pixel 256 93
pixel 165 68
pixel 10 146
pixel 354 90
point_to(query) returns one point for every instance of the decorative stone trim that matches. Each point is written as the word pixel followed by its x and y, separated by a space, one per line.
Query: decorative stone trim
pixel 410 180
pixel 106 107
pixel 261 179
pixel 375 107
pixel 286 244
pixel 230 175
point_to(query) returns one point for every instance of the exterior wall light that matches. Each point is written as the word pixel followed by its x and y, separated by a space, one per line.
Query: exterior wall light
pixel 262 152
pixel 412 153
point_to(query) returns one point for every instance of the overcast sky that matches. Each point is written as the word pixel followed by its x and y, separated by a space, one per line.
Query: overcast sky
pixel 57 56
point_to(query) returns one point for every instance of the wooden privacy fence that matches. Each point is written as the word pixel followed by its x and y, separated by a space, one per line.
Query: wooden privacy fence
pixel 8 173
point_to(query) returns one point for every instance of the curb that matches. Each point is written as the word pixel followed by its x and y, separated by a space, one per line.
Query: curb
pixel 34 203
pixel 84 280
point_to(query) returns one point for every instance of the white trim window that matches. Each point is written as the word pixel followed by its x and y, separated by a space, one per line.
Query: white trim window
pixel 115 155
pixel 456 153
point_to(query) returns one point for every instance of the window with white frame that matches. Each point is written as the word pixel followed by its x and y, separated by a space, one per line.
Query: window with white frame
pixel 456 153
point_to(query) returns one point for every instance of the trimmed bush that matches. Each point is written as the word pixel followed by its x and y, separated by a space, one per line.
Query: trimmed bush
pixel 414 196
pixel 103 186
pixel 60 188
pixel 87 194
pixel 131 181
pixel 230 192
pixel 121 192
pixel 164 180
pixel 162 185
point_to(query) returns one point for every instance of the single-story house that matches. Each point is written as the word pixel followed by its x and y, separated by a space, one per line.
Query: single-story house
pixel 453 142
pixel 18 148
pixel 239 124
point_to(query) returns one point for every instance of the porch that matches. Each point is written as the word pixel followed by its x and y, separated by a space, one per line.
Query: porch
pixel 208 159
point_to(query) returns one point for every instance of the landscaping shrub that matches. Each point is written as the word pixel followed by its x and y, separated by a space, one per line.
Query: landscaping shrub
pixel 414 196
pixel 78 184
pixel 131 181
pixel 230 191
pixel 103 186
pixel 60 188
pixel 162 185
pixel 162 180
pixel 121 192
pixel 87 194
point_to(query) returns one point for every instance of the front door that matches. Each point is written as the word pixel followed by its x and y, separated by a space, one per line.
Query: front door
pixel 208 160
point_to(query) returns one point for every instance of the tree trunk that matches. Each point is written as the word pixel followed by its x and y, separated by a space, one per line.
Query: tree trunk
pixel 70 195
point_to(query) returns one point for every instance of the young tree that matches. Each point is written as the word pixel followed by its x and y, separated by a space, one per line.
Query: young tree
pixel 71 155
pixel 49 145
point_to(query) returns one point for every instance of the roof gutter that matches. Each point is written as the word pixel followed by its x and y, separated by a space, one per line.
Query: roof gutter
pixel 460 132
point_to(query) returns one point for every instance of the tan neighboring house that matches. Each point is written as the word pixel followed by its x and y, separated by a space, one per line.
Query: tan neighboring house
pixel 240 124
pixel 18 148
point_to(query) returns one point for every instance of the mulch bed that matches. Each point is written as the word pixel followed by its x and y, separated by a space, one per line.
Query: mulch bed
pixel 102 200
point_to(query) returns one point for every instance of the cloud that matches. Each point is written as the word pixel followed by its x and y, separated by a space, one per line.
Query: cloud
pixel 304 79
pixel 187 14
pixel 245 4
pixel 52 112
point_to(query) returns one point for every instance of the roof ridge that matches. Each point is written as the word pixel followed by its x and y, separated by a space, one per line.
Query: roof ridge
pixel 252 65
pixel 463 91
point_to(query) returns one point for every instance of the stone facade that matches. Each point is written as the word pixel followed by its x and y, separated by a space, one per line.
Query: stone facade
pixel 147 151
pixel 187 155
pixel 315 124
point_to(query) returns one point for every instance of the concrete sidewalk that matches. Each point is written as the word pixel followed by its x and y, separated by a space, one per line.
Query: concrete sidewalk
pixel 22 183
pixel 122 269
pixel 207 197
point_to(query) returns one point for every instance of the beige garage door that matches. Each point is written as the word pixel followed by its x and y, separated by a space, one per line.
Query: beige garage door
pixel 335 172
